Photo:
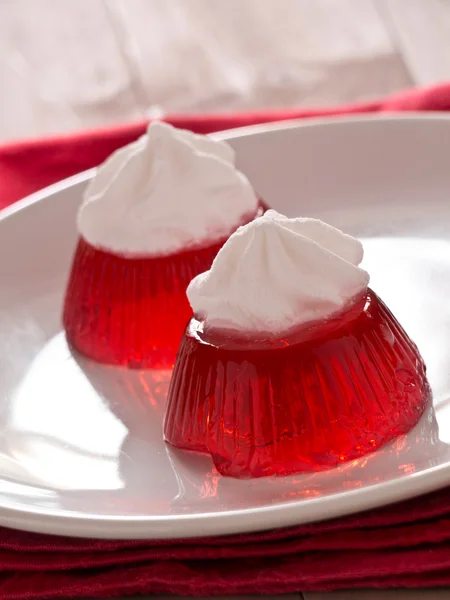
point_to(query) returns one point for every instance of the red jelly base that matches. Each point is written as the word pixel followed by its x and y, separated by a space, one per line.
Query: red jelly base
pixel 131 311
pixel 327 394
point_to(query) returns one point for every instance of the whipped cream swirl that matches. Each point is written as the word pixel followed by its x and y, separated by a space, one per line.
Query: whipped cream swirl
pixel 169 190
pixel 277 273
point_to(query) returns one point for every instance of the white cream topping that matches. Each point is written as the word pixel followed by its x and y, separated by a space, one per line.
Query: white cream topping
pixel 169 190
pixel 277 273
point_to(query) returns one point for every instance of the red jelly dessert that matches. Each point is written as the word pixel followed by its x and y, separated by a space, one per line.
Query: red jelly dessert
pixel 131 311
pixel 154 216
pixel 326 394
pixel 291 363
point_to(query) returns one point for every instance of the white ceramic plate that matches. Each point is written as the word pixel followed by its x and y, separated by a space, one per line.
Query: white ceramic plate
pixel 81 450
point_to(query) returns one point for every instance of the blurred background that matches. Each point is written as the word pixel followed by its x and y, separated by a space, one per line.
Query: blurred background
pixel 72 64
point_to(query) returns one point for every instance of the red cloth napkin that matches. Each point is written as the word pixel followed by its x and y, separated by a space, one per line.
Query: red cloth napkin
pixel 31 165
pixel 404 545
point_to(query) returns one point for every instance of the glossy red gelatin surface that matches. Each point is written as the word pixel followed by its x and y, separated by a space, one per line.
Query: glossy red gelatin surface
pixel 323 395
pixel 132 311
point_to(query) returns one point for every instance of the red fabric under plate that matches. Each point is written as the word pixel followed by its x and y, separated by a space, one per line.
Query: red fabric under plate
pixel 406 544
pixel 31 165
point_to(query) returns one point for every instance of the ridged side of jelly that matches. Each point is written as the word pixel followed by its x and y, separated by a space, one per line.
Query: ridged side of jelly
pixel 300 407
pixel 132 311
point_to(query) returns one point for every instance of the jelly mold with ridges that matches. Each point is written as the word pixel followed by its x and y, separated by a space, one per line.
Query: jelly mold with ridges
pixel 309 401
pixel 132 311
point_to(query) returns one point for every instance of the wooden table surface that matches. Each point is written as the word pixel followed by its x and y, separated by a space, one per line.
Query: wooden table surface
pixel 72 64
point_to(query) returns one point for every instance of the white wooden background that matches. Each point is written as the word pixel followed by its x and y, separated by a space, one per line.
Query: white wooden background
pixel 69 64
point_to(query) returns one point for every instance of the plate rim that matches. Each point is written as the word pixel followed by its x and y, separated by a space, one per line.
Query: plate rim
pixel 233 522
pixel 240 132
